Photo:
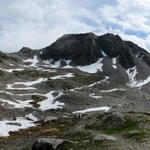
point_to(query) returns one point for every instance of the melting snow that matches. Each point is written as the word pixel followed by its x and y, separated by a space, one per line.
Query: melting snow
pixel 104 54
pixel 17 104
pixel 132 72
pixel 104 108
pixel 93 96
pixel 91 85
pixel 33 61
pixel 69 75
pixel 112 90
pixel 49 102
pixel 30 83
pixel 114 61
pixel 31 117
pixel 140 83
pixel 11 70
pixel 6 92
pixel 5 126
pixel 93 68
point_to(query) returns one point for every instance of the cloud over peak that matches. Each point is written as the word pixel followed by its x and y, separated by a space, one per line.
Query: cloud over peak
pixel 39 23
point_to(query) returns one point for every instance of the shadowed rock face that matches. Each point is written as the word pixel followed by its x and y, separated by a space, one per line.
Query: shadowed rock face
pixel 84 49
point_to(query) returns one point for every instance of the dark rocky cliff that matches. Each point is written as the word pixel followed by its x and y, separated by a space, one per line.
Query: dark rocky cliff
pixel 84 49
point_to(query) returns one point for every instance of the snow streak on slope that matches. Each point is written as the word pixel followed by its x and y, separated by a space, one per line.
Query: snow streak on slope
pixel 91 85
pixel 69 75
pixel 132 72
pixel 94 96
pixel 112 90
pixel 11 70
pixel 16 104
pixel 114 61
pixel 28 84
pixel 103 108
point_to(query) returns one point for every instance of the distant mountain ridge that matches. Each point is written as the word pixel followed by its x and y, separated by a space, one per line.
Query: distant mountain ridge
pixel 84 49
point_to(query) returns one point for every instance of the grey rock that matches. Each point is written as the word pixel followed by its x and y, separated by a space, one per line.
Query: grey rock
pixel 47 144
pixel 49 119
pixel 101 137
pixel 107 121
pixel 111 120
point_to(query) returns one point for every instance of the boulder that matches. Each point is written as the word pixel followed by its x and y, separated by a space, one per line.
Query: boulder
pixel 101 137
pixel 47 144
pixel 111 120
pixel 49 119
pixel 108 121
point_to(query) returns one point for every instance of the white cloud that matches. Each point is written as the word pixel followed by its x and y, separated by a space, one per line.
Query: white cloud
pixel 128 16
pixel 37 24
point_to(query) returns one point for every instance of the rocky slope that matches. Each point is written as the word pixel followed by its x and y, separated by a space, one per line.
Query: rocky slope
pixel 81 92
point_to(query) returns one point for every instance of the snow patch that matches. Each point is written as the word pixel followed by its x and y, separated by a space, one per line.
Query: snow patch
pixel 114 61
pixel 112 90
pixel 11 70
pixel 5 126
pixel 69 75
pixel 94 96
pixel 91 85
pixel 132 72
pixel 104 54
pixel 30 83
pixel 92 68
pixel 33 61
pixel 104 108
pixel 49 102
pixel 139 84
pixel 17 104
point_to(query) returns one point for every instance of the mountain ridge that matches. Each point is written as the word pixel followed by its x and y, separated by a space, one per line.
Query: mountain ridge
pixel 81 92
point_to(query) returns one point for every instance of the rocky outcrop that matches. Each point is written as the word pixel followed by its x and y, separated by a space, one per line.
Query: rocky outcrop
pixel 47 144
pixel 84 49
pixel 108 121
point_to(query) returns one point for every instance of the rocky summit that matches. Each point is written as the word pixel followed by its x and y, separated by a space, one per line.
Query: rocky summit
pixel 82 92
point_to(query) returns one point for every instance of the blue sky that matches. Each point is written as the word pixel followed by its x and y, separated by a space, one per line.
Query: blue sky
pixel 38 23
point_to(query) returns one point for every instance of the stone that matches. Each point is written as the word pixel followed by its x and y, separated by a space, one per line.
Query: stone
pixel 107 121
pixel 111 120
pixel 49 119
pixel 47 144
pixel 101 137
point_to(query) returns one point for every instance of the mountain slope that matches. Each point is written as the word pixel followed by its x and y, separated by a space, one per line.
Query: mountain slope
pixel 45 92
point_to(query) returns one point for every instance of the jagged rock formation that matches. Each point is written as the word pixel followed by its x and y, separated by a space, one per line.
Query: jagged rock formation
pixel 84 49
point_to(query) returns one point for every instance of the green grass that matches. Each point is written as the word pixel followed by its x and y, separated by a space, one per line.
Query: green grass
pixel 130 129
pixel 31 73
pixel 5 57
pixel 77 81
